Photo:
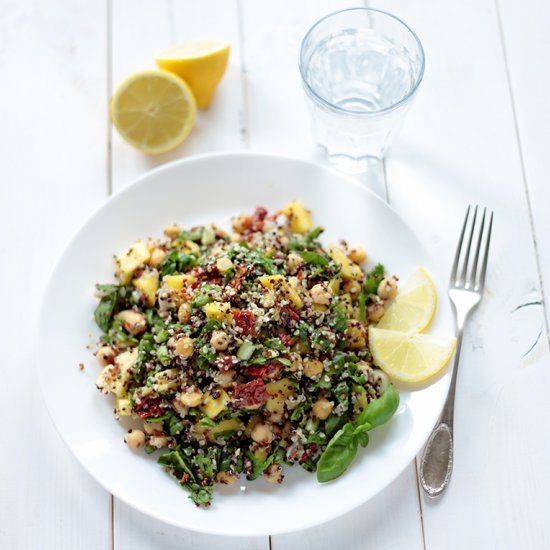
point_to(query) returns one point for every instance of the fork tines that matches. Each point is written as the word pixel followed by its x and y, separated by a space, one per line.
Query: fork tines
pixel 466 272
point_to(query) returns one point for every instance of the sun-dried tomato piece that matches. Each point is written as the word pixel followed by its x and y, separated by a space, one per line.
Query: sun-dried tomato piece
pixel 270 370
pixel 286 339
pixel 258 218
pixel 249 394
pixel 290 314
pixel 149 407
pixel 245 320
pixel 224 362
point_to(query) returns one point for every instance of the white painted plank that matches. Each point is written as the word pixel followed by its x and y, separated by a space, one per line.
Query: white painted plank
pixel 221 127
pixel 526 30
pixel 279 123
pixel 53 172
pixel 459 146
pixel 160 25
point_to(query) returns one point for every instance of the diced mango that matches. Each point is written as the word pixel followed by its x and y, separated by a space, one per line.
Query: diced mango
pixel 148 283
pixel 349 270
pixel 123 407
pixel 231 424
pixel 219 311
pixel 261 453
pixel 214 406
pixel 114 378
pixel 176 282
pixel 166 380
pixel 130 259
pixel 279 283
pixel 298 217
pixel 279 391
pixel 334 285
pixel 190 246
pixel 356 335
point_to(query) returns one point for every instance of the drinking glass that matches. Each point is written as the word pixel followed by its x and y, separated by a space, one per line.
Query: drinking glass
pixel 360 70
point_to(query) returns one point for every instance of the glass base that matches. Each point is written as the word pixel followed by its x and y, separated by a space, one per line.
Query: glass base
pixel 351 165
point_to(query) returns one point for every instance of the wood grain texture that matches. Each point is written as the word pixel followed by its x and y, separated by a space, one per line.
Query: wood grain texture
pixel 49 183
pixel 459 146
pixel 525 30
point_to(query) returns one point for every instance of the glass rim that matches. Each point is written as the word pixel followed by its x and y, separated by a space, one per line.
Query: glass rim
pixel 311 92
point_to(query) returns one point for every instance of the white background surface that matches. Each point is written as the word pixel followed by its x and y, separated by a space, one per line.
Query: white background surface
pixel 477 133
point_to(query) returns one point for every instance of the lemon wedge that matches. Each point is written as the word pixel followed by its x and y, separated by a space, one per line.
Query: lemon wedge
pixel 153 110
pixel 414 307
pixel 201 64
pixel 410 357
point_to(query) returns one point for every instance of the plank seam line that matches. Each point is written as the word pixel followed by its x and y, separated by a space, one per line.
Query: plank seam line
pixel 244 129
pixel 109 79
pixel 521 159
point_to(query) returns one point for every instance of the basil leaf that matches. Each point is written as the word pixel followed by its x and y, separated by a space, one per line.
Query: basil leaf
pixel 363 439
pixel 338 455
pixel 380 410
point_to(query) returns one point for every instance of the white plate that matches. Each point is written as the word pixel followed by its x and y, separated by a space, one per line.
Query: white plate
pixel 191 192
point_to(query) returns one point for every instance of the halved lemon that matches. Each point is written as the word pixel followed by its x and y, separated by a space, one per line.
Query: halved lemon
pixel 153 110
pixel 414 307
pixel 201 64
pixel 410 357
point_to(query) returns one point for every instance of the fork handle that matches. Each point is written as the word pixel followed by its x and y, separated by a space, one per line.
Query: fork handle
pixel 436 464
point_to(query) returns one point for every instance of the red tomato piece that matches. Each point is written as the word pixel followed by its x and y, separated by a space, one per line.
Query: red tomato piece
pixel 249 394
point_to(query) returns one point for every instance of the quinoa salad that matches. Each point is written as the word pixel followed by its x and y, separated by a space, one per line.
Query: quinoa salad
pixel 239 353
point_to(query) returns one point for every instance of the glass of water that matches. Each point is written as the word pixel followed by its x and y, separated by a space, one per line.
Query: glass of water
pixel 360 69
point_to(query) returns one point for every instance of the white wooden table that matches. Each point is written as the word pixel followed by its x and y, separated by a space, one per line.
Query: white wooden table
pixel 479 132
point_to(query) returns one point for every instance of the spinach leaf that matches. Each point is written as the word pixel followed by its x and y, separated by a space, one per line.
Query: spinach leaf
pixel 314 258
pixel 163 355
pixel 380 410
pixel 173 424
pixel 194 235
pixel 258 465
pixel 314 233
pixel 275 344
pixel 338 320
pixel 200 495
pixel 104 310
pixel 338 455
pixel 374 278
pixel 257 258
pixel 203 296
pixel 175 461
pixel 341 392
pixel 177 262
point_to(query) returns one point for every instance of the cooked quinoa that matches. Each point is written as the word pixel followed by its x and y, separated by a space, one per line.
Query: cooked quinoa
pixel 243 352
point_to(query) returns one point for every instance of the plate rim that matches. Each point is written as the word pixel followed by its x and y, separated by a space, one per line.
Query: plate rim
pixel 140 181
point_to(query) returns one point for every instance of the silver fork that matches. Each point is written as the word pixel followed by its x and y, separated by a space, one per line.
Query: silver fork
pixel 465 291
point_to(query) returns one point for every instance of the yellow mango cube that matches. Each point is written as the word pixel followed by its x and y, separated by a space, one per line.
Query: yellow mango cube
pixel 130 259
pixel 349 270
pixel 114 378
pixel 279 283
pixel 123 407
pixel 279 391
pixel 176 282
pixel 148 283
pixel 298 217
pixel 219 311
pixel 166 380
pixel 231 424
pixel 213 406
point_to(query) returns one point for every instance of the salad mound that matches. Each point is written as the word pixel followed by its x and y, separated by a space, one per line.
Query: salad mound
pixel 240 353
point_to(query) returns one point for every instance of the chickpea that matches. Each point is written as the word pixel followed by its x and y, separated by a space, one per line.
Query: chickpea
pixel 224 379
pixel 294 283
pixel 296 362
pixel 172 231
pixel 184 313
pixel 105 355
pixel 152 244
pixel 219 340
pixel 375 311
pixel 273 473
pixel 225 478
pixel 322 408
pixel 224 264
pixel 151 428
pixel 357 254
pixel 261 433
pixel 135 439
pixel 294 262
pixel 192 397
pixel 321 294
pixel 353 288
pixel 312 367
pixel 380 379
pixel 241 223
pixel 236 238
pixel 387 289
pixel 134 322
pixel 157 257
pixel 182 346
